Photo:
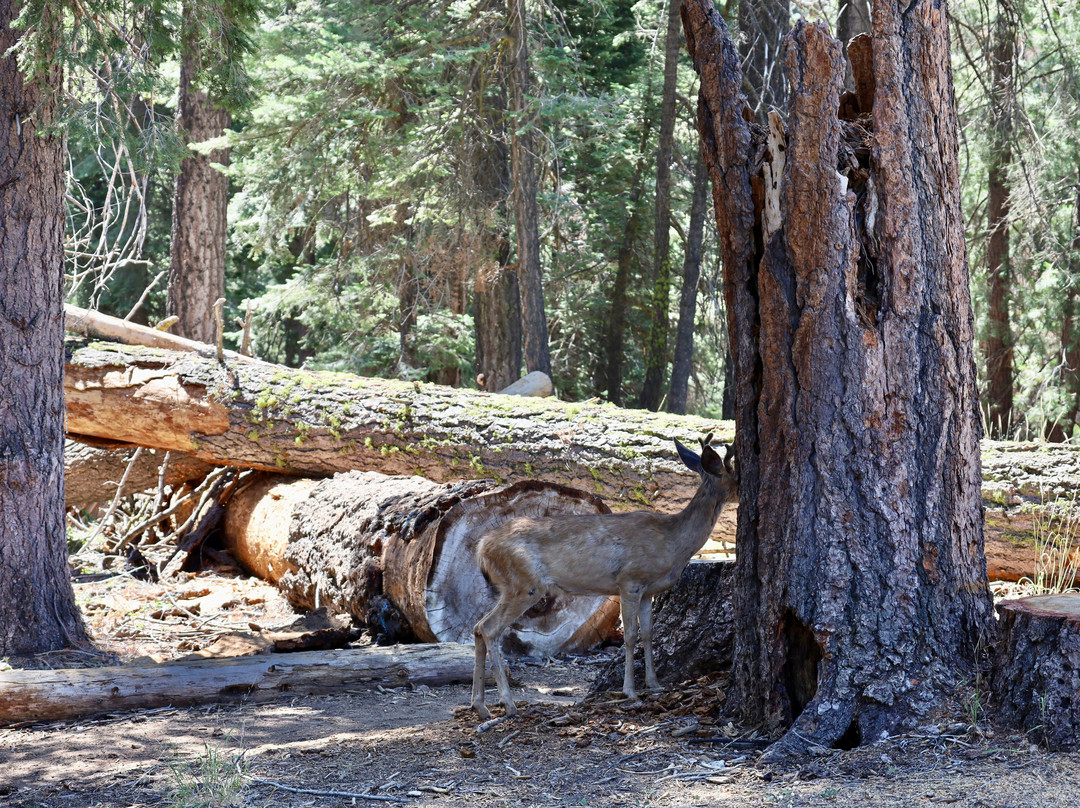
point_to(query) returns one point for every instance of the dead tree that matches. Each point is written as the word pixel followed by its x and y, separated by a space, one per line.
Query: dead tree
pixel 861 581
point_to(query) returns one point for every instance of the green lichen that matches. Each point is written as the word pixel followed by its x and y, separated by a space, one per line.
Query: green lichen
pixel 253 436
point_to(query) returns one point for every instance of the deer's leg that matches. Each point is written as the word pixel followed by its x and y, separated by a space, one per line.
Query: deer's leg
pixel 491 630
pixel 645 618
pixel 479 669
pixel 630 603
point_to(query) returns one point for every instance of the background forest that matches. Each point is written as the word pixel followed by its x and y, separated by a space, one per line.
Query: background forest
pixel 458 192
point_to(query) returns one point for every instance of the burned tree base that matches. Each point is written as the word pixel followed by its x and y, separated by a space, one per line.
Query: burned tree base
pixel 1036 676
pixel 693 628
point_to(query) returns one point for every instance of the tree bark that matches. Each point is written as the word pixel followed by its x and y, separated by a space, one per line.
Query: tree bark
pixel 624 262
pixel 53 695
pixel 999 343
pixel 763 24
pixel 693 628
pixel 862 593
pixel 1035 680
pixel 1070 331
pixel 399 554
pixel 37 606
pixel 684 336
pixel 497 319
pixel 852 20
pixel 656 351
pixel 526 210
pixel 200 205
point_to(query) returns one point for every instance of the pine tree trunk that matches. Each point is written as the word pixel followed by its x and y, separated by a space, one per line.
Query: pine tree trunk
pixel 200 205
pixel 624 261
pixel 1070 330
pixel 862 594
pixel 999 349
pixel 684 336
pixel 763 25
pixel 656 353
pixel 526 210
pixel 37 606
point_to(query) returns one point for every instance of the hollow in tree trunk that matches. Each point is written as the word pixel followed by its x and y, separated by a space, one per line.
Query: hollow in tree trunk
pixel 861 581
pixel 200 205
pixel 37 606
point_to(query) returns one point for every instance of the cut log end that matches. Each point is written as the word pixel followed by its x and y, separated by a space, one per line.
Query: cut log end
pixel 1036 675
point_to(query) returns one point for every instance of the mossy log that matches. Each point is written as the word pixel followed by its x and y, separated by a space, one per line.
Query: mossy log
pixel 317 423
pixel 51 695
pixel 398 553
pixel 1036 675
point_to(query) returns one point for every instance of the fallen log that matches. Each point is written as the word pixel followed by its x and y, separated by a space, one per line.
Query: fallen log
pixel 397 551
pixel 1035 679
pixel 91 473
pixel 318 423
pixel 51 695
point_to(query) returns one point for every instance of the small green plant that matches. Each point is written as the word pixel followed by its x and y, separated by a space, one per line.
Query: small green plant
pixel 1057 549
pixel 214 779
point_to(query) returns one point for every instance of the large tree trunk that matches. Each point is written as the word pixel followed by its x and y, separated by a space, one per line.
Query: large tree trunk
pixel 1070 331
pixel 684 336
pixel 200 204
pixel 399 554
pixel 526 210
pixel 93 473
pixel 73 693
pixel 999 348
pixel 37 606
pixel 862 594
pixel 656 353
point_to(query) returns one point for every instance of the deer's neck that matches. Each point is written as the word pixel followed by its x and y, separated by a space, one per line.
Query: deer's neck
pixel 696 521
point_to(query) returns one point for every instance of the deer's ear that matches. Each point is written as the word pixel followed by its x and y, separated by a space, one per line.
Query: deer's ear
pixel 729 458
pixel 711 462
pixel 689 458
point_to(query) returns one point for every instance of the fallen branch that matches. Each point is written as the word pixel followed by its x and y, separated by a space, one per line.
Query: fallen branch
pixel 316 792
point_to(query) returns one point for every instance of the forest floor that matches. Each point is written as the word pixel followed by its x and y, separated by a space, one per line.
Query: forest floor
pixel 420 746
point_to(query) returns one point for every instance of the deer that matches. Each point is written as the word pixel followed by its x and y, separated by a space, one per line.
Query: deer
pixel 633 555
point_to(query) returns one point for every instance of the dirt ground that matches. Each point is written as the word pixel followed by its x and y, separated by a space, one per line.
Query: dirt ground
pixel 421 747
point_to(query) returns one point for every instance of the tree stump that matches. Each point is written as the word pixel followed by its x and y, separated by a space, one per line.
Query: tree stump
pixel 693 628
pixel 398 554
pixel 1036 675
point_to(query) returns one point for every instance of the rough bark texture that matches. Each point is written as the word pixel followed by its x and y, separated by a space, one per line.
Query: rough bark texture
pixel 1036 674
pixel 1070 333
pixel 693 628
pixel 53 695
pixel 862 591
pixel 200 204
pixel 852 20
pixel 526 211
pixel 269 417
pixel 497 310
pixel 999 342
pixel 398 553
pixel 37 607
pixel 656 353
pixel 684 336
pixel 92 473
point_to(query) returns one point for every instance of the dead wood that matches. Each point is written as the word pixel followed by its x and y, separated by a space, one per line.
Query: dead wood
pixel 61 694
pixel 398 553
pixel 91 473
pixel 1035 681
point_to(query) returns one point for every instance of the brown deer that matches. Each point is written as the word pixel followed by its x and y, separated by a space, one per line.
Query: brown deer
pixel 634 555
